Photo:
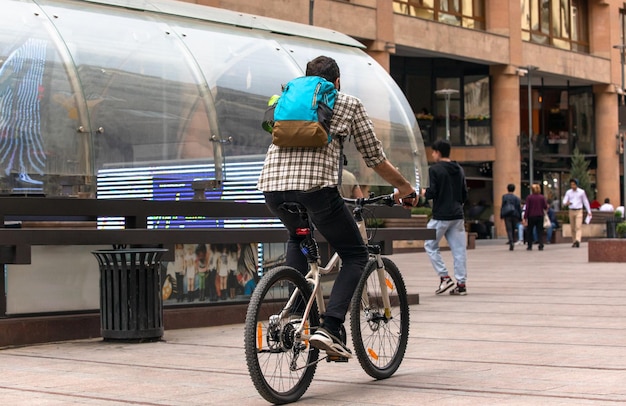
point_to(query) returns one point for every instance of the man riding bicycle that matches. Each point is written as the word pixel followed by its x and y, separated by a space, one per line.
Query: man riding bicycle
pixel 309 176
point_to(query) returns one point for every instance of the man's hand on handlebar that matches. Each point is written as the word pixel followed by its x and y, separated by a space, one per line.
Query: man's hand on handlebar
pixel 407 200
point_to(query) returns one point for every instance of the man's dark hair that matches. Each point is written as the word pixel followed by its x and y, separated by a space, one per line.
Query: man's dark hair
pixel 607 200
pixel 323 66
pixel 443 147
pixel 574 180
pixel 510 187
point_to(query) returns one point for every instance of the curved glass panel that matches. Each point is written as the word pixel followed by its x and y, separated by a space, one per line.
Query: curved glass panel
pixel 242 69
pixel 137 82
pixel 117 90
pixel 41 151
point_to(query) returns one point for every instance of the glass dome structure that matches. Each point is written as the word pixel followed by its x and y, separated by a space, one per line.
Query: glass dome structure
pixel 139 98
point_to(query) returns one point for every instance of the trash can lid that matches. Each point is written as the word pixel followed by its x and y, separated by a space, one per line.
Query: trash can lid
pixel 130 251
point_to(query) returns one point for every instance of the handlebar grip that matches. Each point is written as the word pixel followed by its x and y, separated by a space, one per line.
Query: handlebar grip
pixel 412 195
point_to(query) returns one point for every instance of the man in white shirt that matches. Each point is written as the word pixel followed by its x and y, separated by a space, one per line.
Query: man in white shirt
pixel 575 200
pixel 607 206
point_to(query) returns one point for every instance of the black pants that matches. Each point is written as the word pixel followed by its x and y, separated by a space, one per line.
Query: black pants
pixel 333 220
pixel 511 228
pixel 535 222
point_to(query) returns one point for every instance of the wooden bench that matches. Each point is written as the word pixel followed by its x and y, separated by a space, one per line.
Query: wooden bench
pixel 597 217
pixel 595 229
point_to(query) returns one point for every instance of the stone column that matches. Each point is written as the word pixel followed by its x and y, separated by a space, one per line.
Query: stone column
pixel 505 124
pixel 607 126
pixel 384 45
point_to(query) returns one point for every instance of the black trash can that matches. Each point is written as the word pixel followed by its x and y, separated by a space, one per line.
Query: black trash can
pixel 611 225
pixel 131 303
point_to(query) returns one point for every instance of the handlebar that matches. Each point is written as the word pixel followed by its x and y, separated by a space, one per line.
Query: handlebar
pixel 382 199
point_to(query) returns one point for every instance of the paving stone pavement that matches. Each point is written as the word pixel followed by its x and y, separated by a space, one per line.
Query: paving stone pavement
pixel 536 328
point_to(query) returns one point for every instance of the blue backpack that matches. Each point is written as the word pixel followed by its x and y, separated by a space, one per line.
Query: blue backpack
pixel 301 115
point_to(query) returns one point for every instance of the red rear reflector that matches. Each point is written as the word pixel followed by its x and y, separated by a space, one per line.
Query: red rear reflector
pixel 303 231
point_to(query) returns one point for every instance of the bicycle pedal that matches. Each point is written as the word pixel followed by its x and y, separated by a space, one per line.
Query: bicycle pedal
pixel 336 358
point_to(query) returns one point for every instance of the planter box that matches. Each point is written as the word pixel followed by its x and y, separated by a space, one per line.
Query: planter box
pixel 415 221
pixel 607 250
pixel 420 221
pixel 418 246
pixel 588 231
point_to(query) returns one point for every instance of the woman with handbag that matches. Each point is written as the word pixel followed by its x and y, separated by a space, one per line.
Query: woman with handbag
pixel 511 213
pixel 536 205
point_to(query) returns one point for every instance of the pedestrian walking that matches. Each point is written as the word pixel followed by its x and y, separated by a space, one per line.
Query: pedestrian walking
pixel 536 206
pixel 448 192
pixel 511 213
pixel 575 200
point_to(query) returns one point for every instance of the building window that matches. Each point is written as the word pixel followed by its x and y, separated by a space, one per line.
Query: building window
pixel 558 23
pixel 462 13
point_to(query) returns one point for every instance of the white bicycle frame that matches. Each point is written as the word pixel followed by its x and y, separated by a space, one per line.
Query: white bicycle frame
pixel 314 275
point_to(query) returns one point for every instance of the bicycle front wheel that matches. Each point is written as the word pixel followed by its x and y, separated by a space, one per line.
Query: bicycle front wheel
pixel 380 335
pixel 280 360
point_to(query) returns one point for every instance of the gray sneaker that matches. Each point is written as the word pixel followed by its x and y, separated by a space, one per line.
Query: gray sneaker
pixel 445 284
pixel 323 340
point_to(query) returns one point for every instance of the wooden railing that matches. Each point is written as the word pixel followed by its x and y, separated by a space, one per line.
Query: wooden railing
pixel 56 221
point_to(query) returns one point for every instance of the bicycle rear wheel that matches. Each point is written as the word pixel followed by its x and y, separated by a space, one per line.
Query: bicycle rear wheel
pixel 281 364
pixel 379 338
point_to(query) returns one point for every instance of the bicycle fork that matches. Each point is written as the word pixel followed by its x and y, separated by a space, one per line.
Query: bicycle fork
pixel 385 285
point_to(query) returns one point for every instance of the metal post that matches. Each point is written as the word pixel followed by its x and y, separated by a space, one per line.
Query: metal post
pixel 530 132
pixel 527 70
pixel 311 9
pixel 446 93
pixel 622 50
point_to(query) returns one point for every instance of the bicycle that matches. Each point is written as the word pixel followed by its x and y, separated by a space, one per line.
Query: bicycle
pixel 284 312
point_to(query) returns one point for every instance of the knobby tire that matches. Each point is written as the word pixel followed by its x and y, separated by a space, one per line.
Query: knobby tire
pixel 269 347
pixel 380 342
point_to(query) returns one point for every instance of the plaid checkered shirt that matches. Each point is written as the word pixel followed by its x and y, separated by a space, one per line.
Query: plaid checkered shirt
pixel 307 168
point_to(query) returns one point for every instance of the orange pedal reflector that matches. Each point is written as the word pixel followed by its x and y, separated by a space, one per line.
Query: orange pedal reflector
pixel 372 353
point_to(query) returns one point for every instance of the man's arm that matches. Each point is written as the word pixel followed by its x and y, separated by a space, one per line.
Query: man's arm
pixel 586 202
pixel 566 199
pixel 357 193
pixel 389 173
pixel 432 190
pixel 464 190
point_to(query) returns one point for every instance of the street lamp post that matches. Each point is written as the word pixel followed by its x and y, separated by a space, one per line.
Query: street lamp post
pixel 447 93
pixel 622 50
pixel 527 70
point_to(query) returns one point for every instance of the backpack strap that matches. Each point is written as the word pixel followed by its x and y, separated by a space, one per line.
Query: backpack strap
pixel 343 160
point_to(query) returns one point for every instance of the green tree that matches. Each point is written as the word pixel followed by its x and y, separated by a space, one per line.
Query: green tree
pixel 580 171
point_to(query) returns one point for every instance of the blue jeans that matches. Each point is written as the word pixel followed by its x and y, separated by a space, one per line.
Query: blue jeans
pixel 454 231
pixel 333 220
